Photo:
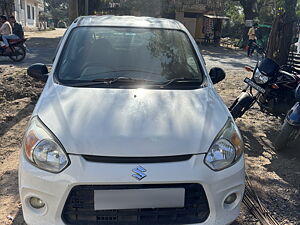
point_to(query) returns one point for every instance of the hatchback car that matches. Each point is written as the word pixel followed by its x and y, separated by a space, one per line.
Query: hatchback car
pixel 129 130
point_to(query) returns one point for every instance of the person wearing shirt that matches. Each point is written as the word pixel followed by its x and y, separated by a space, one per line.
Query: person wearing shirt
pixel 252 40
pixel 5 29
pixel 16 27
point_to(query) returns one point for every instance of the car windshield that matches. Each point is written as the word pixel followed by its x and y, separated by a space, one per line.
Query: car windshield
pixel 154 55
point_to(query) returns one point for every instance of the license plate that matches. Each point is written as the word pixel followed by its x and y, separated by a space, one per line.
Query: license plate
pixel 139 198
pixel 254 85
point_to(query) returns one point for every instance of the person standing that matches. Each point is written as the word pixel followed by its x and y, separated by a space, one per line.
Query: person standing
pixel 252 39
pixel 17 28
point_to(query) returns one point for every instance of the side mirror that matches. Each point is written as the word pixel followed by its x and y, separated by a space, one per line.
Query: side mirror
pixel 217 74
pixel 38 71
pixel 297 93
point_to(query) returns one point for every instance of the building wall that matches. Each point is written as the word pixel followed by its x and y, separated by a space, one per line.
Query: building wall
pixel 26 12
pixel 191 14
pixel 201 6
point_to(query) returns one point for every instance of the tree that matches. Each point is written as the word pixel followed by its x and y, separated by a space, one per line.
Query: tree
pixel 163 8
pixel 235 27
pixel 145 7
pixel 266 11
pixel 73 10
pixel 248 8
pixel 282 32
pixel 58 9
pixel 6 7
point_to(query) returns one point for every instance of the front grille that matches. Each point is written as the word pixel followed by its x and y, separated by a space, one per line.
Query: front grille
pixel 79 208
pixel 162 159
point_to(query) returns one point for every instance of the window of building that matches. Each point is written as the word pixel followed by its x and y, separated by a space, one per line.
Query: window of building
pixel 22 4
pixel 28 12
pixel 33 13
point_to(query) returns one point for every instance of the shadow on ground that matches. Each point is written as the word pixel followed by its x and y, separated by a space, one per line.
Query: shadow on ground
pixel 226 58
pixel 280 191
pixel 18 220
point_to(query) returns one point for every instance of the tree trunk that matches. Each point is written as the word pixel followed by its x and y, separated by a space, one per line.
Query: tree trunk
pixel 73 10
pixel 248 6
pixel 281 34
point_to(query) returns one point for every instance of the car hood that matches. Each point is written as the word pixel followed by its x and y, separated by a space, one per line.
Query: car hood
pixel 132 122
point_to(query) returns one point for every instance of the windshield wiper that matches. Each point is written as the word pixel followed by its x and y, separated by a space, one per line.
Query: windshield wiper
pixel 122 79
pixel 109 81
pixel 179 79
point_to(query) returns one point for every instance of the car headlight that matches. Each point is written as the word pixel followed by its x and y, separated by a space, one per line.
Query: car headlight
pixel 43 149
pixel 260 78
pixel 226 149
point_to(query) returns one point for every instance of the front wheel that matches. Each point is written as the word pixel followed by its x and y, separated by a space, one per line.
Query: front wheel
pixel 241 105
pixel 18 54
pixel 287 135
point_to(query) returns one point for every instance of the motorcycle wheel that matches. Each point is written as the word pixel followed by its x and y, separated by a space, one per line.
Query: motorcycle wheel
pixel 19 54
pixel 241 105
pixel 287 135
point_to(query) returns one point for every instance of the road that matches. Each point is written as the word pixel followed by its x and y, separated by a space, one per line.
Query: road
pixel 225 58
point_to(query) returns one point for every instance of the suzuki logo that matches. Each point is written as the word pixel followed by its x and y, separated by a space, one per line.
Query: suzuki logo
pixel 139 173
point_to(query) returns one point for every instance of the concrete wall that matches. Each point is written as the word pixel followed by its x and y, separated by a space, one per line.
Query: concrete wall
pixel 26 12
pixel 194 25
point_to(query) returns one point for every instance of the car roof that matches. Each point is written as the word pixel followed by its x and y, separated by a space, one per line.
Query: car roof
pixel 128 21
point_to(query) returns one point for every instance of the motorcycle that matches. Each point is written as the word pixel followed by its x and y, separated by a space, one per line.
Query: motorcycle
pixel 259 52
pixel 274 88
pixel 18 50
pixel 290 130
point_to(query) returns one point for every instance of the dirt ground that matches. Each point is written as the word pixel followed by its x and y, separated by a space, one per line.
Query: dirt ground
pixel 275 177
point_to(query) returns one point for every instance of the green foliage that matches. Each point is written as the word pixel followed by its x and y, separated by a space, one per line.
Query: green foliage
pixel 58 10
pixel 265 11
pixel 234 28
pixel 95 6
pixel 147 8
pixel 166 8
pixel 235 11
pixel 287 6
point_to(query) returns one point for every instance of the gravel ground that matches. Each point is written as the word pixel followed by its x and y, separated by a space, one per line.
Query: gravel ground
pixel 274 176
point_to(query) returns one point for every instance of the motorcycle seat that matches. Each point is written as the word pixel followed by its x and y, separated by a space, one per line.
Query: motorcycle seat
pixel 14 41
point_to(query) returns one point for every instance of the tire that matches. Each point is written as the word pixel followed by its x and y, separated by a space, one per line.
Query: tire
pixel 21 53
pixel 286 136
pixel 241 105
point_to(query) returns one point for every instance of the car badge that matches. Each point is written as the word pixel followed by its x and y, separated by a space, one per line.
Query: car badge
pixel 139 173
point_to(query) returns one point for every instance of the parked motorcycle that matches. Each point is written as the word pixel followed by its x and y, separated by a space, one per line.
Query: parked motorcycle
pixel 259 52
pixel 290 130
pixel 271 86
pixel 18 50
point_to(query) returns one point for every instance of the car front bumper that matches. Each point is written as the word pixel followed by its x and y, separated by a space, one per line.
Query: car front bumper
pixel 54 189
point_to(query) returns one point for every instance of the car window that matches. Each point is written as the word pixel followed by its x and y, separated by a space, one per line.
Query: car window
pixel 59 43
pixel 108 52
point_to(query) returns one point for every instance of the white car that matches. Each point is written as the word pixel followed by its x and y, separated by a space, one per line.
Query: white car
pixel 129 130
